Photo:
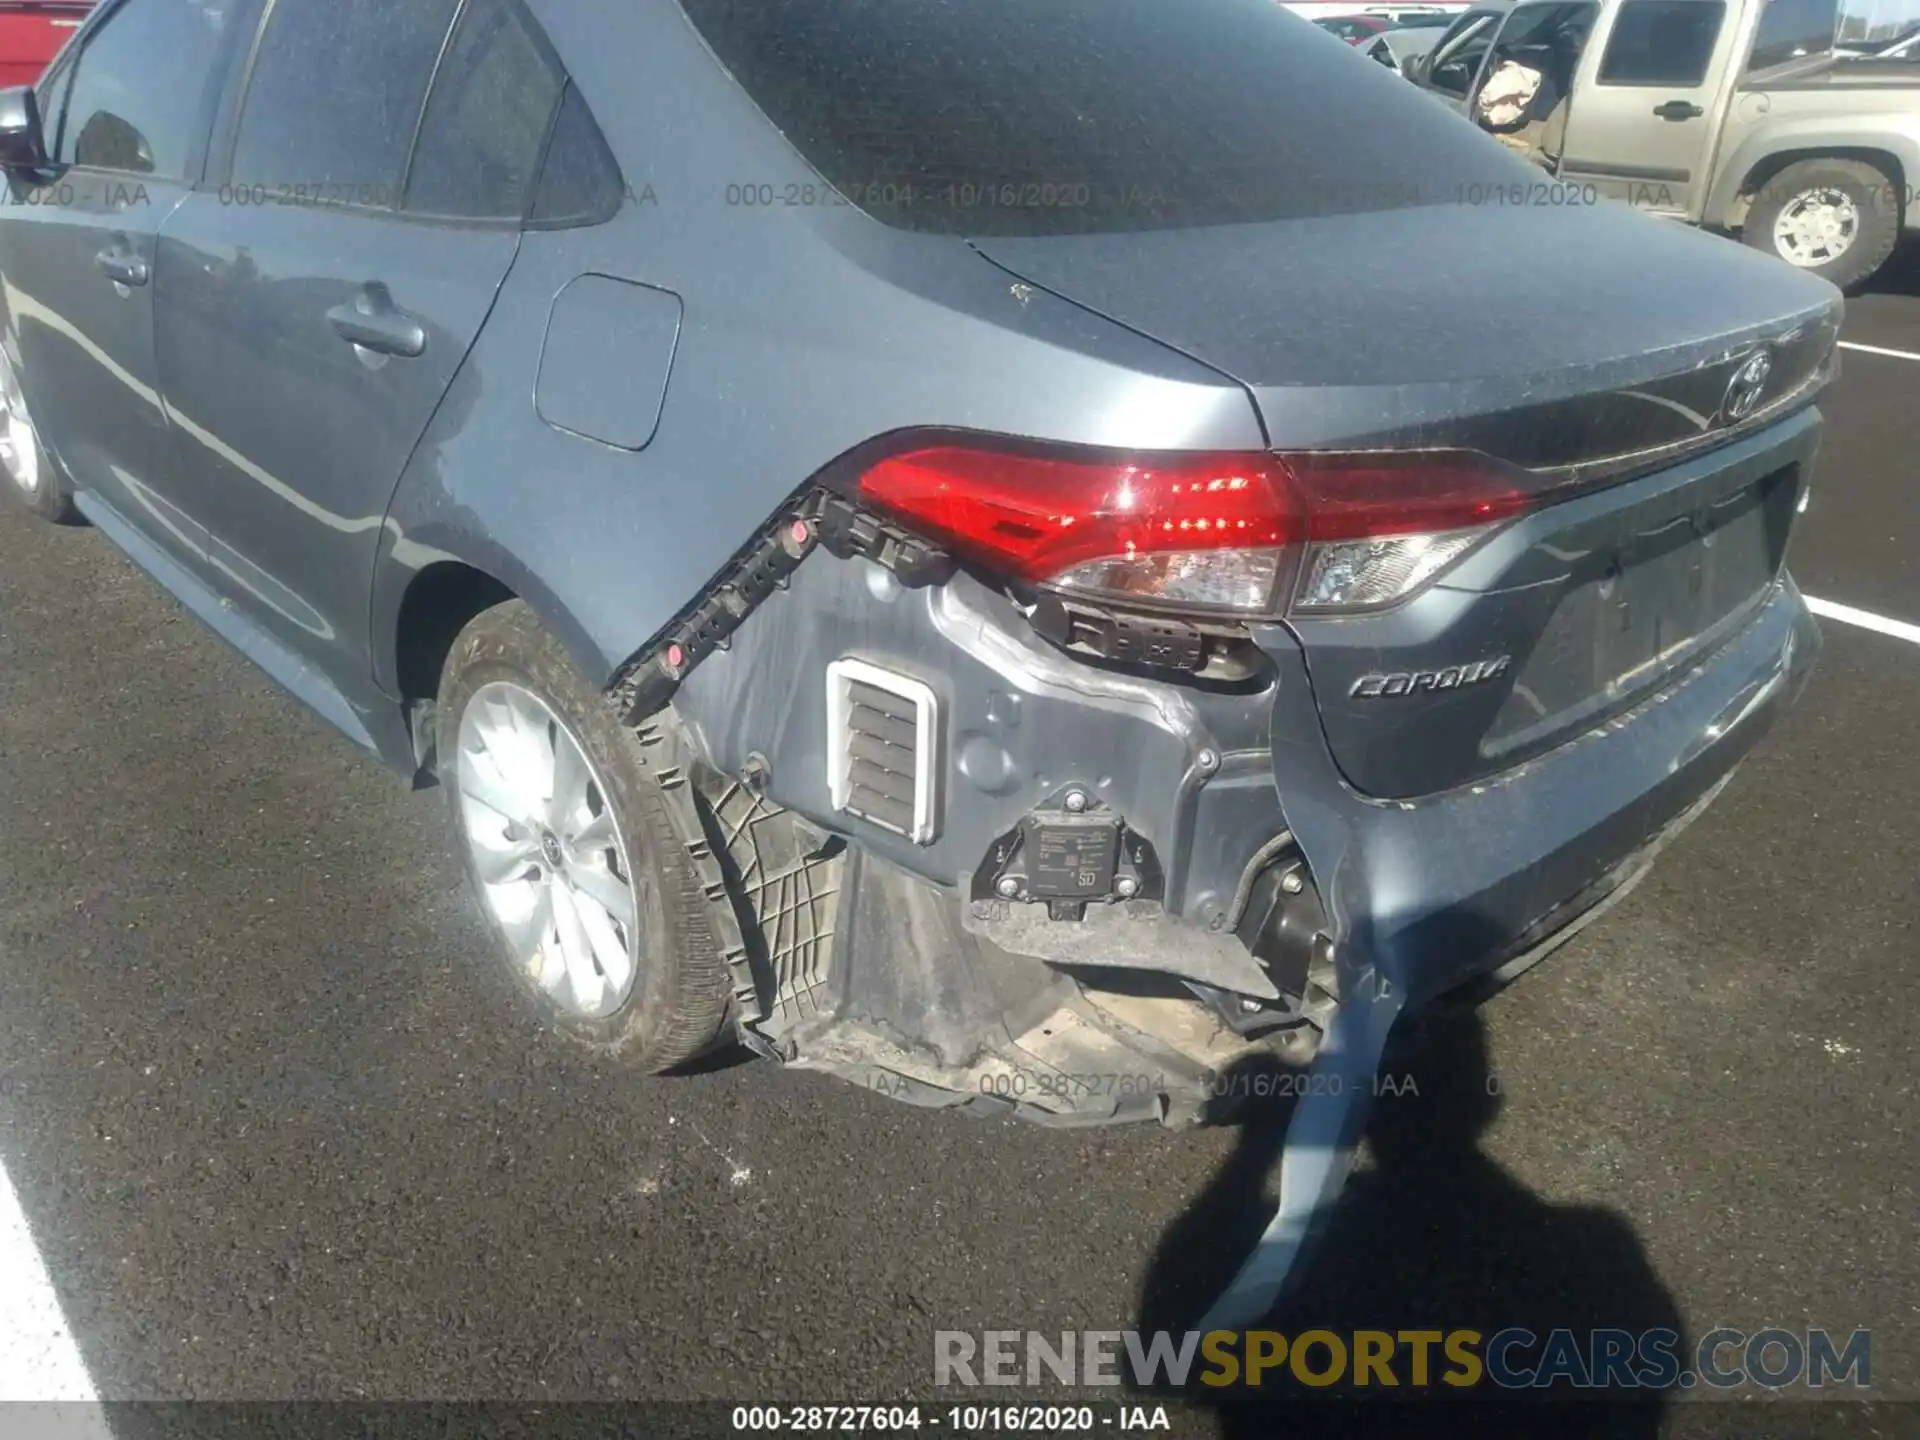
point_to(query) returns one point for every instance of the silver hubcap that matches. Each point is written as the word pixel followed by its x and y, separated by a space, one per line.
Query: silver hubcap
pixel 1817 227
pixel 549 855
pixel 18 450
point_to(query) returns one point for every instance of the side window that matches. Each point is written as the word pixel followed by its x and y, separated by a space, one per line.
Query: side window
pixel 581 184
pixel 1537 52
pixel 128 113
pixel 1792 30
pixel 488 118
pixel 335 98
pixel 51 93
pixel 1459 54
pixel 1661 42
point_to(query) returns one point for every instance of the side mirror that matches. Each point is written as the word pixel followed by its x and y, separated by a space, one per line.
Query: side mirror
pixel 22 145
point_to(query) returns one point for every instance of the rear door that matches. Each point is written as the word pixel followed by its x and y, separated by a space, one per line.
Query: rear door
pixel 315 304
pixel 1454 64
pixel 1643 125
pixel 77 252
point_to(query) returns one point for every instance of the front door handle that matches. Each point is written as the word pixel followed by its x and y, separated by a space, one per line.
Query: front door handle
pixel 1678 110
pixel 122 267
pixel 373 322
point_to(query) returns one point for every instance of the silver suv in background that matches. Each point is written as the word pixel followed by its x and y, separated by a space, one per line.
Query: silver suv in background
pixel 1732 114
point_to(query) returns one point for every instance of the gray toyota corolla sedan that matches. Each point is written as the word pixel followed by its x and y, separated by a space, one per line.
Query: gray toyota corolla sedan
pixel 893 523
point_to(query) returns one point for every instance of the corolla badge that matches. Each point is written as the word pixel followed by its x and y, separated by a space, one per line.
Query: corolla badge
pixel 1421 682
pixel 1745 389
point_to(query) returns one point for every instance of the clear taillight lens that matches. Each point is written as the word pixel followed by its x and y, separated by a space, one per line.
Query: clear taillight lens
pixel 1217 579
pixel 1366 574
pixel 1252 533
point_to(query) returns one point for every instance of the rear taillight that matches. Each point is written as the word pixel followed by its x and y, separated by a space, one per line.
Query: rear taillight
pixel 1254 533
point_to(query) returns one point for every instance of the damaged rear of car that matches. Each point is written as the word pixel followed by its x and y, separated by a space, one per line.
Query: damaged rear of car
pixel 913 553
pixel 1218 651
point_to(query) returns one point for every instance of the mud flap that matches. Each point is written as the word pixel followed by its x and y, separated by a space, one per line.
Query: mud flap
pixel 1328 1120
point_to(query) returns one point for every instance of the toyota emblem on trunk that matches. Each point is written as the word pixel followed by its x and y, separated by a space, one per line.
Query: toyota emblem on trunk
pixel 1746 387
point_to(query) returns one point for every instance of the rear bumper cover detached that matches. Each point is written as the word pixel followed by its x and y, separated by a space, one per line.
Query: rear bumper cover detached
pixel 1421 897
pixel 1428 895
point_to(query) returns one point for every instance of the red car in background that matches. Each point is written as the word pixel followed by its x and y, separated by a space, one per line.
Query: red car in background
pixel 1354 29
pixel 31 34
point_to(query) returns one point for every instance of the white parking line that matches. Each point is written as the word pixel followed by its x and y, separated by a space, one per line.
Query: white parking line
pixel 1865 619
pixel 38 1359
pixel 1879 350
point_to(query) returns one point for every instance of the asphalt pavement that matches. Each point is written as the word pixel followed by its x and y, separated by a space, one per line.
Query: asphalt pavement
pixel 276 1131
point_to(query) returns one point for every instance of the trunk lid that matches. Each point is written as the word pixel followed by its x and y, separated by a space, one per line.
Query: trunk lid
pixel 1605 348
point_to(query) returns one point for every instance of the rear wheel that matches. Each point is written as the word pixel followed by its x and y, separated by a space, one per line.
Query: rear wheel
pixel 1837 219
pixel 36 482
pixel 593 903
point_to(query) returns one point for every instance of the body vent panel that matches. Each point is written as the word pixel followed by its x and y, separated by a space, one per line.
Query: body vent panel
pixel 883 741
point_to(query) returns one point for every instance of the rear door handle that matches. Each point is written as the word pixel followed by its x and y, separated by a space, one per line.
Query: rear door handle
pixel 121 266
pixel 373 322
pixel 1678 110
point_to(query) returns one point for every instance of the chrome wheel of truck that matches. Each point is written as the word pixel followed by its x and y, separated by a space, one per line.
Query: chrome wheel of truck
pixel 1816 228
pixel 1837 219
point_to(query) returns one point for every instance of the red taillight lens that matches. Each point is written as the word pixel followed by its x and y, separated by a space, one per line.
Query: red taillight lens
pixel 1216 529
pixel 1038 516
pixel 1370 494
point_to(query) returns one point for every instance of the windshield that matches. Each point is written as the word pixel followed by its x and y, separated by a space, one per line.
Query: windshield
pixel 1007 117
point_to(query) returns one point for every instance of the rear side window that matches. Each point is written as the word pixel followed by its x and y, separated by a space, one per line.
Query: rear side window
pixel 1661 42
pixel 335 98
pixel 1792 30
pixel 581 183
pixel 126 111
pixel 1014 117
pixel 488 119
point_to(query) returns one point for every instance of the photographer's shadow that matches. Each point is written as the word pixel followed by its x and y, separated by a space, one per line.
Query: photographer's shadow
pixel 1432 1235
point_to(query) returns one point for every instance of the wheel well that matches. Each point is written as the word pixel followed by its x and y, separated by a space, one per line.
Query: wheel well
pixel 439 602
pixel 1884 161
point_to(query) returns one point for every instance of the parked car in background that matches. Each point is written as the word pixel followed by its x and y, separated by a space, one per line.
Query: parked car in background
pixel 1733 114
pixel 31 34
pixel 1354 29
pixel 1334 9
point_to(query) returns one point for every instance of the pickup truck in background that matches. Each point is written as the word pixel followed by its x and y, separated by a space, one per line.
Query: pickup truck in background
pixel 1731 114
pixel 31 34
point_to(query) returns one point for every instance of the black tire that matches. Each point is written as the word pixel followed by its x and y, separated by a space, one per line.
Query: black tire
pixel 678 1006
pixel 51 499
pixel 1872 195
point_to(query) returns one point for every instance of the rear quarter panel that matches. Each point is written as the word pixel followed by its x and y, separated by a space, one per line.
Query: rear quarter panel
pixel 807 329
pixel 782 362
